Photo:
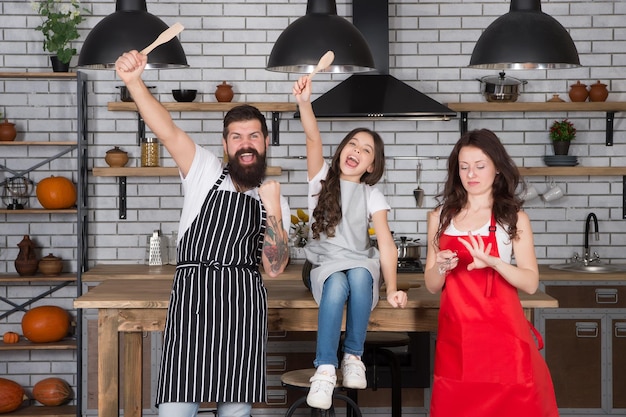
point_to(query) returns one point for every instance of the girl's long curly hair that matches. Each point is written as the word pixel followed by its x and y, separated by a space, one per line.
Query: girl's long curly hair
pixel 327 213
pixel 506 201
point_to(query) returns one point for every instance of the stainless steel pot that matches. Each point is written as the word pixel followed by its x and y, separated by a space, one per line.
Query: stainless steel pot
pixel 407 248
pixel 500 88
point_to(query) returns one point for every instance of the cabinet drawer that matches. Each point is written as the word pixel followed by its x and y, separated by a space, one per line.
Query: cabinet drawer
pixel 588 296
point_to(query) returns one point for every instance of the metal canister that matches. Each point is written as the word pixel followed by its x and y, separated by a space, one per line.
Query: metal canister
pixel 149 152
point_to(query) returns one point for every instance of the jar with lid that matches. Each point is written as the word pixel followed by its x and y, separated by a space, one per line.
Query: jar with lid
pixel 149 152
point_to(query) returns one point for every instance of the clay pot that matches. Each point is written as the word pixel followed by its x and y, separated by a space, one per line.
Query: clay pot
pixel 26 262
pixel 116 157
pixel 7 131
pixel 224 92
pixel 598 92
pixel 578 92
pixel 51 265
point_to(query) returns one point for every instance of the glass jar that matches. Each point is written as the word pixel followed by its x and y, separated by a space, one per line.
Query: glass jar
pixel 149 152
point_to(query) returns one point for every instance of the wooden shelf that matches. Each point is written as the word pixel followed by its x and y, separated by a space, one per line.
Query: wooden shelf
pixel 155 171
pixel 42 75
pixel 604 106
pixel 572 171
pixel 68 276
pixel 39 211
pixel 38 143
pixel 36 411
pixel 207 107
pixel 24 344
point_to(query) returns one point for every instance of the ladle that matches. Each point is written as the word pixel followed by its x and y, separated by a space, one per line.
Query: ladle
pixel 323 63
pixel 165 36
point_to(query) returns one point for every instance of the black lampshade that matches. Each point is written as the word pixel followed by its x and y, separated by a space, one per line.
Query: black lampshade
pixel 300 46
pixel 130 27
pixel 525 38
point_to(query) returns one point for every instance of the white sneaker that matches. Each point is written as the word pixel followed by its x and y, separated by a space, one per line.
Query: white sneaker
pixel 321 392
pixel 353 371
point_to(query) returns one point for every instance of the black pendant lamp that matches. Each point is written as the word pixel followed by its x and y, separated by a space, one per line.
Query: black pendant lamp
pixel 525 38
pixel 300 46
pixel 130 27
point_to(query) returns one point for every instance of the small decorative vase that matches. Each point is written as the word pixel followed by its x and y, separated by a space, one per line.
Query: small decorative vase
pixel 58 66
pixel 51 265
pixel 26 262
pixel 561 147
pixel 116 157
pixel 598 92
pixel 224 92
pixel 578 92
pixel 7 131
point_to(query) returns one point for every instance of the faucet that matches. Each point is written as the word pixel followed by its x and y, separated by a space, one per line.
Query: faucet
pixel 587 259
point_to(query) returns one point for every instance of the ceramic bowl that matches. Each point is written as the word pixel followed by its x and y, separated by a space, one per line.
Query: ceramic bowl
pixel 184 95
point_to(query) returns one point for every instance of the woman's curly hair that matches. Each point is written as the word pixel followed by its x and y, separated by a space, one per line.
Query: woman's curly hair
pixel 327 213
pixel 506 201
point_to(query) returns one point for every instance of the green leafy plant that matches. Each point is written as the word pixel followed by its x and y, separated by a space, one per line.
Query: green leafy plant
pixel 60 25
pixel 562 131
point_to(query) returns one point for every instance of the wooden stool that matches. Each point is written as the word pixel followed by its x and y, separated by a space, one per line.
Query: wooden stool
pixel 300 379
pixel 379 342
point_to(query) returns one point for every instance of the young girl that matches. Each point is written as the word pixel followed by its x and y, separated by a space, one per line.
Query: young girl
pixel 346 268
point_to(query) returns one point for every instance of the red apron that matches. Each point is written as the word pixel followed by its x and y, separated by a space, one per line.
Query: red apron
pixel 487 363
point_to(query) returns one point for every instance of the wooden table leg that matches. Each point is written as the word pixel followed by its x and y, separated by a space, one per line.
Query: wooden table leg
pixel 133 360
pixel 108 363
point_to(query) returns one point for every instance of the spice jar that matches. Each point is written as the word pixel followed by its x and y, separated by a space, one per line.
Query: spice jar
pixel 149 152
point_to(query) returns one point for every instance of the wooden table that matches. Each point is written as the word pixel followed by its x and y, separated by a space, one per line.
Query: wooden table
pixel 134 305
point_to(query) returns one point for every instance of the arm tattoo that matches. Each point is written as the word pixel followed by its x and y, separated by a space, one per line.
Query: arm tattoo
pixel 275 246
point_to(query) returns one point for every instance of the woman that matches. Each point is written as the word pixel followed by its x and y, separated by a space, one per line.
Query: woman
pixel 486 362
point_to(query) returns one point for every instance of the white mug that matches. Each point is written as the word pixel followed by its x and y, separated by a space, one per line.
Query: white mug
pixel 530 193
pixel 553 193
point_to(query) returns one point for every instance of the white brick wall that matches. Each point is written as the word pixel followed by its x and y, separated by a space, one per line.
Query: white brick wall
pixel 230 40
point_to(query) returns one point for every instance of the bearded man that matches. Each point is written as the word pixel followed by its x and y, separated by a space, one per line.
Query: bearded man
pixel 216 327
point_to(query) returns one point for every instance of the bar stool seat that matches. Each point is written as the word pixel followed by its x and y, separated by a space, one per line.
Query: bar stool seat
pixel 300 379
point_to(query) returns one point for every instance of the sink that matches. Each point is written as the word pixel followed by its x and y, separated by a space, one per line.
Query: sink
pixel 590 269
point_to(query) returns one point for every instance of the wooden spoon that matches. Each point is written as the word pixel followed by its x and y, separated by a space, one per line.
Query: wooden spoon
pixel 165 36
pixel 323 63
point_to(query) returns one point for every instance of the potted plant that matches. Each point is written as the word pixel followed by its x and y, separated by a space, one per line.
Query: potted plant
pixel 60 26
pixel 562 133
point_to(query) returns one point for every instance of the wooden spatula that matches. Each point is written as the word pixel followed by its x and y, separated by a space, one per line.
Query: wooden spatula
pixel 165 36
pixel 323 63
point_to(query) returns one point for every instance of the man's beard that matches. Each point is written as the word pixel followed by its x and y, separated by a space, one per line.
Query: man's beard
pixel 247 176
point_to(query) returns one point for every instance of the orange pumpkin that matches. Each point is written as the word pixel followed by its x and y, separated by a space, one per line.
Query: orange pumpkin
pixel 11 395
pixel 52 392
pixel 10 337
pixel 45 324
pixel 56 193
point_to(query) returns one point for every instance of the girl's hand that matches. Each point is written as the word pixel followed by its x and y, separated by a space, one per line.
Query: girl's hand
pixel 397 299
pixel 446 261
pixel 476 247
pixel 130 65
pixel 302 89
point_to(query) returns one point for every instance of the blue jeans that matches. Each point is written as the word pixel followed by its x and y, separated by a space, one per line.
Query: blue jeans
pixel 353 286
pixel 191 409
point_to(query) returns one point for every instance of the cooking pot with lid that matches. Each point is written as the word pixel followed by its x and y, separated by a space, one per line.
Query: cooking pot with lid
pixel 500 88
pixel 407 248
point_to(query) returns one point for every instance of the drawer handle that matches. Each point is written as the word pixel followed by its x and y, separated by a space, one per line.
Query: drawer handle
pixel 276 397
pixel 606 295
pixel 620 329
pixel 586 329
pixel 276 363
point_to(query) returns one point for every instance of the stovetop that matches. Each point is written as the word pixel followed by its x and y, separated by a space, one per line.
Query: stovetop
pixel 410 265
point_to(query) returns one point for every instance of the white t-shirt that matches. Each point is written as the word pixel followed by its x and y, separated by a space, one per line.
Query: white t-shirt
pixel 205 170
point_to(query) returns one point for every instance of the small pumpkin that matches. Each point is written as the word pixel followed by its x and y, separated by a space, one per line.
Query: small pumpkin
pixel 10 338
pixel 11 395
pixel 56 193
pixel 52 391
pixel 45 324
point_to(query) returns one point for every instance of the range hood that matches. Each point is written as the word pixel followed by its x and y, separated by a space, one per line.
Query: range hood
pixel 377 94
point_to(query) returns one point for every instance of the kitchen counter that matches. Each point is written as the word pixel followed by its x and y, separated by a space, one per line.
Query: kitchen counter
pixel 103 272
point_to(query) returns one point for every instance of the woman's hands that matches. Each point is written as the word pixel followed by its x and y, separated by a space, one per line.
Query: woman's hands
pixel 302 89
pixel 480 253
pixel 446 261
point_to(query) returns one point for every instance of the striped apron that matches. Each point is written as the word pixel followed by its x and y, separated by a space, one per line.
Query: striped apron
pixel 216 327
